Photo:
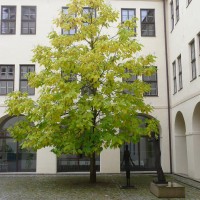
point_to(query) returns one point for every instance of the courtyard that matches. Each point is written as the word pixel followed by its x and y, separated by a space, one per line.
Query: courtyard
pixel 77 186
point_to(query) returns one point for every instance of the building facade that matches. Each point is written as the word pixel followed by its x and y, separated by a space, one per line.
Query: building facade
pixel 183 23
pixel 167 29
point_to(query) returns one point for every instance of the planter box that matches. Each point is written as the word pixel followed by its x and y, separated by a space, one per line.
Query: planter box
pixel 170 190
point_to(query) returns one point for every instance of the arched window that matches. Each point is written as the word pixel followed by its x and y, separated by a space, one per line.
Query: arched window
pixel 12 157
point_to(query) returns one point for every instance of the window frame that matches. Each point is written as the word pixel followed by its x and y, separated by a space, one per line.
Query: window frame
pixel 174 77
pixel 180 73
pixel 8 20
pixel 132 78
pixel 128 9
pixel 188 2
pixel 69 31
pixel 193 59
pixel 28 21
pixel 25 79
pixel 8 79
pixel 149 94
pixel 129 80
pixel 89 8
pixel 177 11
pixel 172 14
pixel 199 42
pixel 148 23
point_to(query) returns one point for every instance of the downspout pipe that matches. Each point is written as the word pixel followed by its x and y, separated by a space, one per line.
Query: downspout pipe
pixel 168 92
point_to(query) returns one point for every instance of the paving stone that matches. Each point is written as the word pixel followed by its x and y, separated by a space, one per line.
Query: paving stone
pixel 77 187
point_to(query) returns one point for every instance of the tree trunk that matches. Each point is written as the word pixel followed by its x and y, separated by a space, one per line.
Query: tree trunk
pixel 92 169
pixel 160 173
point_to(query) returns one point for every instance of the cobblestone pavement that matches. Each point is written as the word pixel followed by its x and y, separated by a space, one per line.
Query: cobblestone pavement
pixel 77 187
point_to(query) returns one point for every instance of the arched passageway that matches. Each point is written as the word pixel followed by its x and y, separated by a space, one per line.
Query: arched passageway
pixel 181 160
pixel 196 119
pixel 196 141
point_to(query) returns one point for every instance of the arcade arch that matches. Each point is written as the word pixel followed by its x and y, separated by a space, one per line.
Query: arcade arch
pixel 181 160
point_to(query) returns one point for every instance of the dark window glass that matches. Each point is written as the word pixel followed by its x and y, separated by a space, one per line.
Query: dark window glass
pixel 180 73
pixel 147 22
pixel 8 19
pixel 71 31
pixel 199 42
pixel 152 80
pixel 174 77
pixel 188 2
pixel 6 79
pixel 131 79
pixel 193 59
pixel 75 163
pixel 89 14
pixel 172 15
pixel 28 25
pixel 12 157
pixel 177 10
pixel 24 87
pixel 142 155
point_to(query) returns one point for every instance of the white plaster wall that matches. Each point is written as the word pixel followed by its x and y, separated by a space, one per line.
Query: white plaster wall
pixel 110 161
pixel 162 116
pixel 196 143
pixel 185 100
pixel 151 45
pixel 192 140
pixel 46 162
pixel 181 164
pixel 185 30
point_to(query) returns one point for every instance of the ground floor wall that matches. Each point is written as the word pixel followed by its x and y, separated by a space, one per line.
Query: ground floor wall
pixel 110 160
pixel 186 137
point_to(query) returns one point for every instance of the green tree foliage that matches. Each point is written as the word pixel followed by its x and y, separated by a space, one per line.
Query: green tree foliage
pixel 86 102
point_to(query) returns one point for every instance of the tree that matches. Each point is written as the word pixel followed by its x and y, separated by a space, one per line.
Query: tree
pixel 86 99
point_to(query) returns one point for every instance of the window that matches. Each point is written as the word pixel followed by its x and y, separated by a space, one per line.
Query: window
pixel 6 79
pixel 127 14
pixel 199 42
pixel 142 154
pixel 14 158
pixel 71 31
pixel 132 76
pixel 76 163
pixel 188 2
pixel 177 10
pixel 8 19
pixel 172 15
pixel 152 80
pixel 69 77
pixel 28 25
pixel 131 79
pixel 193 59
pixel 89 14
pixel 180 73
pixel 147 22
pixel 174 77
pixel 24 87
